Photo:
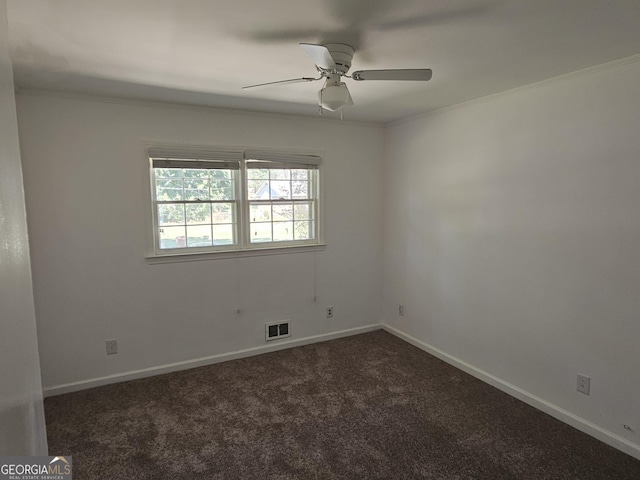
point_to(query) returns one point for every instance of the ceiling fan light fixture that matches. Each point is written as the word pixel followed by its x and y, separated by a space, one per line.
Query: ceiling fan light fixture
pixel 334 97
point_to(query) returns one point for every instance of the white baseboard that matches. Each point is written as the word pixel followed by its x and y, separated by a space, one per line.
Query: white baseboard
pixel 565 416
pixel 200 362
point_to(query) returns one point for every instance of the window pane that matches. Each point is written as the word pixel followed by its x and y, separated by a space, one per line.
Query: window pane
pixel 280 189
pixel 258 189
pixel 195 173
pixel 169 189
pixel 224 234
pixel 302 211
pixel 282 212
pixel 222 190
pixel 302 231
pixel 172 237
pixel 171 214
pixel 223 213
pixel 196 189
pixel 300 174
pixel 168 172
pixel 220 174
pixel 280 174
pixel 300 189
pixel 198 214
pixel 261 232
pixel 282 231
pixel 260 213
pixel 257 173
pixel 199 236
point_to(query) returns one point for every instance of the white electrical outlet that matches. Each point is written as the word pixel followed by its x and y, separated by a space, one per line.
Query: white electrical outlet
pixel 329 312
pixel 583 384
pixel 401 310
pixel 112 347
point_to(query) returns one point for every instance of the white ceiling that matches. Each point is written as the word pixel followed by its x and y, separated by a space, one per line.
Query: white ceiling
pixel 203 51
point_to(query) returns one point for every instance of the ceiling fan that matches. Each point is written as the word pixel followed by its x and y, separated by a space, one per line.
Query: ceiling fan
pixel 333 61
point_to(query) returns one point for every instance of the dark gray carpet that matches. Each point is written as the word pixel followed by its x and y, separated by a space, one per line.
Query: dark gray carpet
pixel 364 407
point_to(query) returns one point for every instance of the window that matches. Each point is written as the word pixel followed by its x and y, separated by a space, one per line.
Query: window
pixel 214 200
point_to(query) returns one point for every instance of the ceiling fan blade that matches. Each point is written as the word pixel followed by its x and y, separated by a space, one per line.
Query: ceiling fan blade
pixel 281 82
pixel 320 55
pixel 416 74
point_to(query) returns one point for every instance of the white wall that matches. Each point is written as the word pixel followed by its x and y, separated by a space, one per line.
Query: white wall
pixel 86 182
pixel 512 234
pixel 22 428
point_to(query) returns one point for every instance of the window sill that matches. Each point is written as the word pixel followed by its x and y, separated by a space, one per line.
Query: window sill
pixel 255 252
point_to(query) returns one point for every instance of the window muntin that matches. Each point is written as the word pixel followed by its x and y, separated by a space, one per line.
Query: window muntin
pixel 206 204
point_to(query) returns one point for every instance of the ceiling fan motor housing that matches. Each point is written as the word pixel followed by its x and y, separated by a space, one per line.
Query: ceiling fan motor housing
pixel 342 55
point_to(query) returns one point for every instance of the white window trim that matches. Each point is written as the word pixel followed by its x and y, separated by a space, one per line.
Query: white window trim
pixel 244 247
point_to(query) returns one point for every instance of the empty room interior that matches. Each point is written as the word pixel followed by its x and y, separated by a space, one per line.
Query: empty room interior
pixel 321 238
